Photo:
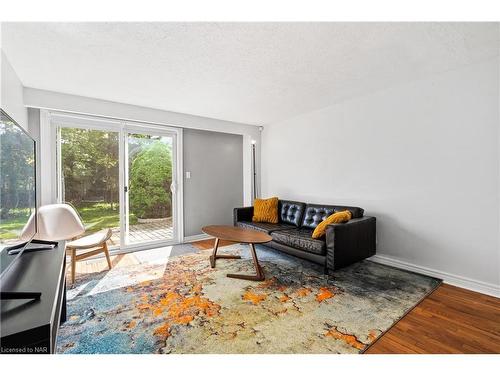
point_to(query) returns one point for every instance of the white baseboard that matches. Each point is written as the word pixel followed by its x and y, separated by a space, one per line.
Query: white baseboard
pixel 197 237
pixel 460 281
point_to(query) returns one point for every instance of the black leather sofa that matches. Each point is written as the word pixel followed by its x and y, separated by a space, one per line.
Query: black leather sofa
pixel 342 245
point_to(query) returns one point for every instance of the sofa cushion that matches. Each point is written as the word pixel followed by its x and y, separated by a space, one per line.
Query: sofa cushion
pixel 291 212
pixel 263 227
pixel 356 212
pixel 335 218
pixel 300 238
pixel 265 210
pixel 316 213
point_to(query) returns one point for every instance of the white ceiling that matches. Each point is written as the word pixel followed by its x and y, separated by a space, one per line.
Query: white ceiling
pixel 254 73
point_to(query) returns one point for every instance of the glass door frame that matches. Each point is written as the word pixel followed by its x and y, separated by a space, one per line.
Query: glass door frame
pixel 123 127
pixel 177 220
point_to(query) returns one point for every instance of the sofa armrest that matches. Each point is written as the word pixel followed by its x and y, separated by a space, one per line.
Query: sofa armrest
pixel 350 242
pixel 242 214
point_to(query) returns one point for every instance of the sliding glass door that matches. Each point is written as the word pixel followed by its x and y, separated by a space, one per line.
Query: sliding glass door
pixel 149 196
pixel 122 176
pixel 90 178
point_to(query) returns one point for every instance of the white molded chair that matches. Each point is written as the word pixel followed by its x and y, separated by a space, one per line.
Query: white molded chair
pixel 58 222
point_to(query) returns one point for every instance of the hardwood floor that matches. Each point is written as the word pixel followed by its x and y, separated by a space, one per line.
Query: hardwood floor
pixel 450 320
pixel 209 244
pixel 100 264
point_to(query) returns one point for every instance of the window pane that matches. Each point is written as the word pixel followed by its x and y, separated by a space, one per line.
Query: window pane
pixel 90 177
pixel 150 198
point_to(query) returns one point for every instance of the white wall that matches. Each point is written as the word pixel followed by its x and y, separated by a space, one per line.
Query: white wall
pixel 422 157
pixel 11 97
pixel 90 106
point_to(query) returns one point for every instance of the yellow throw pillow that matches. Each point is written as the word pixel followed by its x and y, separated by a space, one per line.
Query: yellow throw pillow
pixel 336 218
pixel 265 210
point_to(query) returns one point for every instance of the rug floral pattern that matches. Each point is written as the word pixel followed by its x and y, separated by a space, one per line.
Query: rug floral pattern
pixel 181 305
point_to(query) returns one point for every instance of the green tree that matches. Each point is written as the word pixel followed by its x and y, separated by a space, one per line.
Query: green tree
pixel 17 166
pixel 150 179
pixel 90 165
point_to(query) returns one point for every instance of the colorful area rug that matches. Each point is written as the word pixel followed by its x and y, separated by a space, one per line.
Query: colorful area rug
pixel 177 304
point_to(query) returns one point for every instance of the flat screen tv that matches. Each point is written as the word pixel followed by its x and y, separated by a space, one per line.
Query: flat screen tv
pixel 17 191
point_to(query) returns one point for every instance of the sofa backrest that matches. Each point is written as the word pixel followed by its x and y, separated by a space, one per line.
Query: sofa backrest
pixel 291 212
pixel 316 213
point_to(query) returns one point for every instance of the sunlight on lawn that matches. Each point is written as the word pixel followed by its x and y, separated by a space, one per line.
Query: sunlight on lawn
pixel 10 229
pixel 97 216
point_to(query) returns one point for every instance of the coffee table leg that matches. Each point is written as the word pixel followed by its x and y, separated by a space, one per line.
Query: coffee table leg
pixel 260 274
pixel 214 255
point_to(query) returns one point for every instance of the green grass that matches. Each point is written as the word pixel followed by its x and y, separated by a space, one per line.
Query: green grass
pixel 95 216
pixel 10 228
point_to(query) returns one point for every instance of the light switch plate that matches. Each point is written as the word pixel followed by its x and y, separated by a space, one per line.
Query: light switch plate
pixel 188 174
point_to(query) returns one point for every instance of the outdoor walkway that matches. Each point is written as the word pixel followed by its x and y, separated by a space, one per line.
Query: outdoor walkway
pixel 146 232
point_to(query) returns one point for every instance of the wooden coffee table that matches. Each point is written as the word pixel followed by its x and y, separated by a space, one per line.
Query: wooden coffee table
pixel 235 234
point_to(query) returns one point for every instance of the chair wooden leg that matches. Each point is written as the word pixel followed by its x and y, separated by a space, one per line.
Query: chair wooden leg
pixel 106 252
pixel 73 265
